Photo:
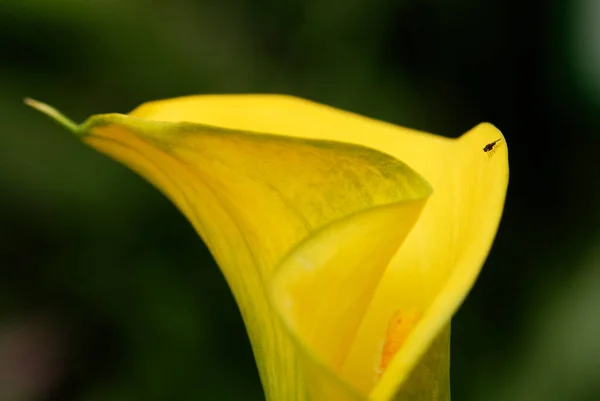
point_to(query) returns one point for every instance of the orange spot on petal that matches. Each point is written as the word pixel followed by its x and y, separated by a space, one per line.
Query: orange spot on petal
pixel 399 328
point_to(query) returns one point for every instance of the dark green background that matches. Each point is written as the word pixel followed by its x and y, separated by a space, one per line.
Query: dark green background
pixel 89 245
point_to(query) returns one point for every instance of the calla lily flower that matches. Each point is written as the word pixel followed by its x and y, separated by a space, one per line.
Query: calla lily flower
pixel 348 243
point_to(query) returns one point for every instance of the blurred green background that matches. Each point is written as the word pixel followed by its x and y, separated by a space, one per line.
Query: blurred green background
pixel 113 297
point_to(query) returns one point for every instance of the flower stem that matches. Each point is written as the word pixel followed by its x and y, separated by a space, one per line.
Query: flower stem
pixel 53 114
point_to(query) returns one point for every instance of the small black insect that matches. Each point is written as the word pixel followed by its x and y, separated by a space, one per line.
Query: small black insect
pixel 490 148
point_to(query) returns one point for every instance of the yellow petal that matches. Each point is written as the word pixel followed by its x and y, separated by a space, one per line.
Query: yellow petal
pixel 426 279
pixel 253 197
pixel 442 256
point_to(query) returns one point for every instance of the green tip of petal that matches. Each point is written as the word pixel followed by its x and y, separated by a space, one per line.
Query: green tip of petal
pixel 55 115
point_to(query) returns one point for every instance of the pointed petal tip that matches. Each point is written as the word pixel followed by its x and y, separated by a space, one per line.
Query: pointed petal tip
pixel 486 124
pixel 484 135
pixel 53 114
pixel 485 127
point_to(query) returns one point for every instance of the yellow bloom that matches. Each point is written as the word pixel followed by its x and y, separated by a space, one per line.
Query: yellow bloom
pixel 346 263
